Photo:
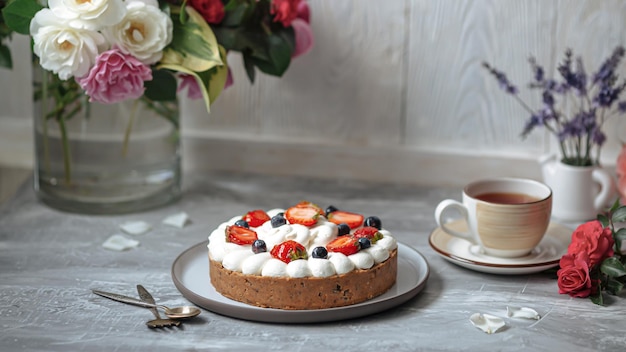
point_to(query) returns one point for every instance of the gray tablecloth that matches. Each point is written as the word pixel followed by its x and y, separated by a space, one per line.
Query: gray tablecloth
pixel 50 261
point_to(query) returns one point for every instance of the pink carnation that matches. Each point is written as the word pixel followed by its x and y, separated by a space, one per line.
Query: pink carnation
pixel 115 77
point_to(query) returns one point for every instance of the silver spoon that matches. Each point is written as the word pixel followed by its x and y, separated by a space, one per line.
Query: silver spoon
pixel 182 312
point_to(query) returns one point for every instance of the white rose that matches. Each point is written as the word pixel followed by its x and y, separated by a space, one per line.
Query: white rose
pixel 89 14
pixel 143 33
pixel 62 49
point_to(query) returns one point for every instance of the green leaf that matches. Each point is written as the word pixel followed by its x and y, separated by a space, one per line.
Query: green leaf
pixel 194 45
pixel 18 14
pixel 604 220
pixel 597 298
pixel 619 214
pixel 619 236
pixel 162 87
pixel 5 57
pixel 612 267
pixel 249 66
pixel 279 57
pixel 614 286
pixel 211 81
pixel 236 13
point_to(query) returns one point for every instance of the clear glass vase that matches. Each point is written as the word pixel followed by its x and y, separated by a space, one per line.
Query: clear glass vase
pixel 100 158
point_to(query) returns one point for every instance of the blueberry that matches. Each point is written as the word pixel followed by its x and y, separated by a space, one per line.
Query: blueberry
pixel 259 246
pixel 364 242
pixel 278 220
pixel 330 209
pixel 373 221
pixel 242 223
pixel 343 229
pixel 319 252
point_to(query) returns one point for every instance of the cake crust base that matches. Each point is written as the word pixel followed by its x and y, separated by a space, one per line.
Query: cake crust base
pixel 305 293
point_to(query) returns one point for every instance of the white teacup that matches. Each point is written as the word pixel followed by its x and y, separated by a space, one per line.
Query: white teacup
pixel 506 217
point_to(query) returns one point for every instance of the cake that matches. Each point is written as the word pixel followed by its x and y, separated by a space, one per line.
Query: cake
pixel 302 258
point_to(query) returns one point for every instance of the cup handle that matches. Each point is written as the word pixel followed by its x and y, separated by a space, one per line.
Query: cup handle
pixel 607 188
pixel 451 204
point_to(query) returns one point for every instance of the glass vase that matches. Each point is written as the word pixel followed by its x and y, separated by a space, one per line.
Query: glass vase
pixel 103 158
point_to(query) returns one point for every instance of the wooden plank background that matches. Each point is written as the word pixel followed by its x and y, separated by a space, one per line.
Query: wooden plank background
pixel 392 91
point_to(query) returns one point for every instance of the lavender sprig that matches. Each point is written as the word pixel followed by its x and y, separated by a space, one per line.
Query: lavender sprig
pixel 579 131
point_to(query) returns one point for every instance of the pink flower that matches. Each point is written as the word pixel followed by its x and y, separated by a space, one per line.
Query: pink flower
pixel 193 89
pixel 593 241
pixel 115 77
pixel 211 10
pixel 285 11
pixel 304 37
pixel 573 277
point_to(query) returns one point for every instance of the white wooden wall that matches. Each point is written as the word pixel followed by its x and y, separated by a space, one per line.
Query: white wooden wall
pixel 392 91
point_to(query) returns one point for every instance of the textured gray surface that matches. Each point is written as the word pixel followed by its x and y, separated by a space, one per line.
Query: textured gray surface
pixel 49 262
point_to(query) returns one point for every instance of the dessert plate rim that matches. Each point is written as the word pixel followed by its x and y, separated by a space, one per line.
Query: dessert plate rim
pixel 190 274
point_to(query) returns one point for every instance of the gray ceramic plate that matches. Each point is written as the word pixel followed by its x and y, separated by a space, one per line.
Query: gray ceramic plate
pixel 190 273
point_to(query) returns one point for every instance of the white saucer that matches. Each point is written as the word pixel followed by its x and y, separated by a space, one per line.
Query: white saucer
pixel 468 254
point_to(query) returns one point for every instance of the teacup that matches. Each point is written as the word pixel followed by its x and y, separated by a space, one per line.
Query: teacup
pixel 506 217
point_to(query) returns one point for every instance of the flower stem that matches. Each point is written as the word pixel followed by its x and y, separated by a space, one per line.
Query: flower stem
pixel 129 127
pixel 67 164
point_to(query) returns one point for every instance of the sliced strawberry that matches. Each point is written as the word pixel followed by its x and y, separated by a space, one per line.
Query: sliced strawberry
pixel 289 251
pixel 353 220
pixel 256 218
pixel 345 244
pixel 368 232
pixel 307 204
pixel 240 235
pixel 303 214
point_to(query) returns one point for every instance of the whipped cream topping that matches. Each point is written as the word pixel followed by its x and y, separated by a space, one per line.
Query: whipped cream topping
pixel 241 258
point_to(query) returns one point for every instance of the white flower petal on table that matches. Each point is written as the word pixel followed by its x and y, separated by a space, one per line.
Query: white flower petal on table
pixel 486 322
pixel 522 312
pixel 177 220
pixel 135 227
pixel 119 242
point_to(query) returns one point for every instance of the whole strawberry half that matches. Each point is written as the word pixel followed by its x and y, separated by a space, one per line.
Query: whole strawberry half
pixel 289 251
pixel 353 220
pixel 256 218
pixel 303 214
pixel 345 244
pixel 240 235
pixel 368 232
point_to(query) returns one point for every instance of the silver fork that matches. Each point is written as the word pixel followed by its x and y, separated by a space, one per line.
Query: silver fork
pixel 158 322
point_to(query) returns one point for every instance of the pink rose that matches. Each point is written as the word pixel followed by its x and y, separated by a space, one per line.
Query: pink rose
pixel 592 240
pixel 115 77
pixel 211 10
pixel 573 277
pixel 285 11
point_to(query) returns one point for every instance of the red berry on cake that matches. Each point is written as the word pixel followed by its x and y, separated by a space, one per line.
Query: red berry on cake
pixel 240 235
pixel 256 218
pixel 353 220
pixel 347 245
pixel 289 251
pixel 303 214
pixel 368 232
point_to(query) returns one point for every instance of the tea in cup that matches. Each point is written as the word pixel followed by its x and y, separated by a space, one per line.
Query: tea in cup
pixel 506 217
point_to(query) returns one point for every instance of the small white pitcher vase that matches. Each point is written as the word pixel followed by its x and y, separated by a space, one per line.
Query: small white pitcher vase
pixel 579 192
